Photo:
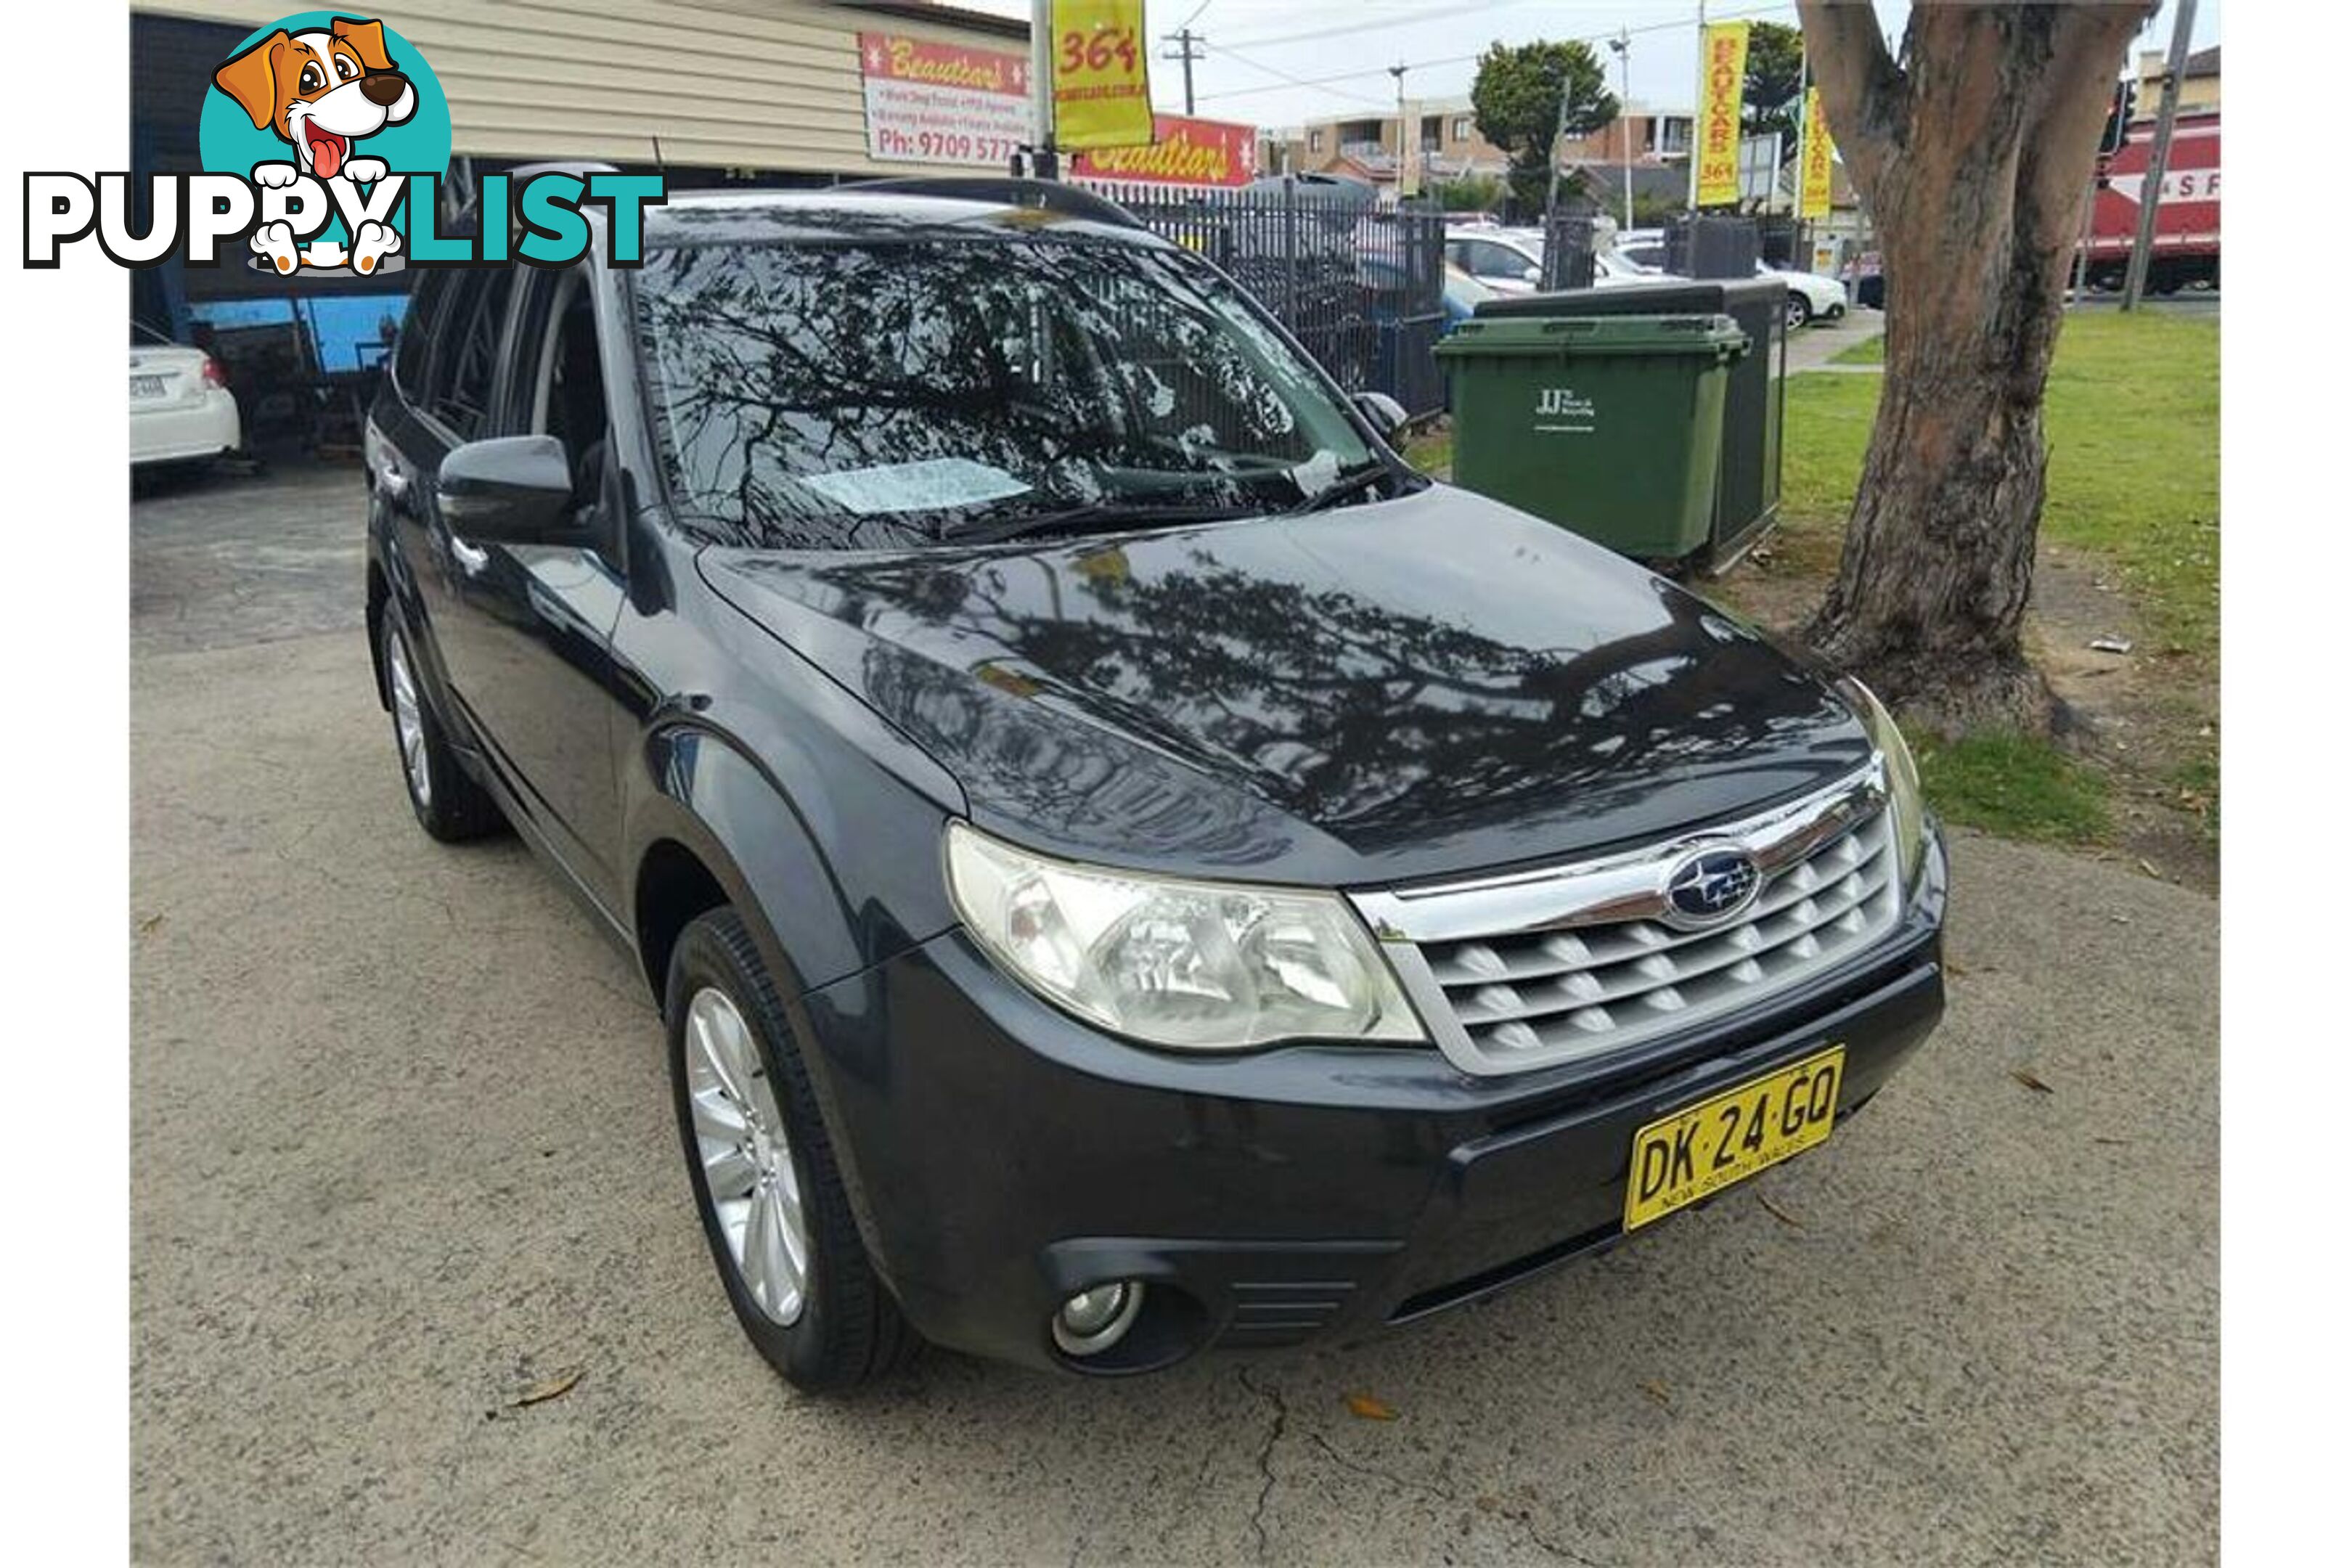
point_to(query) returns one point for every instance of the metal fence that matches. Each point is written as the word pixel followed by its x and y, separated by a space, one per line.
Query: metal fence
pixel 1362 287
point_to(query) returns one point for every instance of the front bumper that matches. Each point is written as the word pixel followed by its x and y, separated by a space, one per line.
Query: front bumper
pixel 1001 1155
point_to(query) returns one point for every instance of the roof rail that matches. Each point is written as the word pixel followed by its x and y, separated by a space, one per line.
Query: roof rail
pixel 1051 196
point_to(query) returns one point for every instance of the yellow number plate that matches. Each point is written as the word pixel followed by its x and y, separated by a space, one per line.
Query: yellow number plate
pixel 1682 1158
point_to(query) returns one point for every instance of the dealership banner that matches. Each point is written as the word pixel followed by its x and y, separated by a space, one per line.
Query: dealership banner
pixel 1183 151
pixel 1722 70
pixel 1814 198
pixel 929 102
pixel 1102 75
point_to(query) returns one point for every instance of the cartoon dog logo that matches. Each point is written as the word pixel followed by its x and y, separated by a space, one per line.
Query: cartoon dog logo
pixel 322 93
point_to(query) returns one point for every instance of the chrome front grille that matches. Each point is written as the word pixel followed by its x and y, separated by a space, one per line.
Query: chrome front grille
pixel 1528 971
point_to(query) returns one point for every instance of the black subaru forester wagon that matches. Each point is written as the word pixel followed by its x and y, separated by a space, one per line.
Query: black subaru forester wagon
pixel 1127 866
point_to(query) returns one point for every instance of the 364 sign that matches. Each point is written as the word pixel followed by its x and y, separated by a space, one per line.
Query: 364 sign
pixel 1082 54
pixel 1102 75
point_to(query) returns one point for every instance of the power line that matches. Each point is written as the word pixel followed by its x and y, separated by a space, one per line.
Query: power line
pixel 1284 78
pixel 1359 27
pixel 1321 82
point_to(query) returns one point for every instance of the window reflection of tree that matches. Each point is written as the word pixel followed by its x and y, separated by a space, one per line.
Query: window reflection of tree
pixel 1080 370
pixel 1383 725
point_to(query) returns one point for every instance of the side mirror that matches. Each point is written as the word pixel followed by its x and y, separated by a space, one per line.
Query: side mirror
pixel 1532 274
pixel 1386 415
pixel 516 489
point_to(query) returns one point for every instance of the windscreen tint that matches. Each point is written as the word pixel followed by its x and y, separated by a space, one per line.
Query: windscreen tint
pixel 879 395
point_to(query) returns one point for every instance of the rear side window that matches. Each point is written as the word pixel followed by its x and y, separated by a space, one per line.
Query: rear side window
pixel 469 321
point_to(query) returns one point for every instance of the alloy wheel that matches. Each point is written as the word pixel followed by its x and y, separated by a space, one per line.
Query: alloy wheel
pixel 746 1154
pixel 408 720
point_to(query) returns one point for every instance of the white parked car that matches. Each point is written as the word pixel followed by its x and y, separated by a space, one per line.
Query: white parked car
pixel 1498 258
pixel 180 409
pixel 1611 269
pixel 1811 297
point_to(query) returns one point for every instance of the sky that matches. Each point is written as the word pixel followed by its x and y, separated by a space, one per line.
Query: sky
pixel 1258 53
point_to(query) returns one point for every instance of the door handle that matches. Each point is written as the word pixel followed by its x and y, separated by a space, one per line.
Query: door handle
pixel 394 482
pixel 470 558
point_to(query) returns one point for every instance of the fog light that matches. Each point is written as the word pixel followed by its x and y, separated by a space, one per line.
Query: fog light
pixel 1093 1320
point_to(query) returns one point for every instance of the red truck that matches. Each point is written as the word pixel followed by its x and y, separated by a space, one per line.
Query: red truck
pixel 2187 248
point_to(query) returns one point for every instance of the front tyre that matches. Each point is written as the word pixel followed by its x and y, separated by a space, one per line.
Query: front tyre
pixel 449 804
pixel 765 1183
pixel 1798 311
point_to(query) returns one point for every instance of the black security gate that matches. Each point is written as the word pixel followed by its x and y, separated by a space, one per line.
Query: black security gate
pixel 1567 251
pixel 1362 287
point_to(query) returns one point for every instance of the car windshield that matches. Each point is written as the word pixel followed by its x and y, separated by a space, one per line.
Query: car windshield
pixel 885 395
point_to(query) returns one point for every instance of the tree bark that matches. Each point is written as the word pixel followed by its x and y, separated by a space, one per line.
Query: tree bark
pixel 1973 150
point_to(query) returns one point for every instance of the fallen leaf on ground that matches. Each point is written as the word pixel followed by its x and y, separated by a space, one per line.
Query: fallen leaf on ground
pixel 2149 867
pixel 548 1388
pixel 2112 1142
pixel 1777 1212
pixel 1658 1390
pixel 2026 1076
pixel 150 923
pixel 1369 1408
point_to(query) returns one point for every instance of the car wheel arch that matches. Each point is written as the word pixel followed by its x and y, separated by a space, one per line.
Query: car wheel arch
pixel 682 868
pixel 704 797
pixel 672 887
pixel 379 597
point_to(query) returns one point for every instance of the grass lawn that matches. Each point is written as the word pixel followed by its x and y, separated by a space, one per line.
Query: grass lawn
pixel 2133 424
pixel 1870 350
pixel 1430 447
pixel 2020 786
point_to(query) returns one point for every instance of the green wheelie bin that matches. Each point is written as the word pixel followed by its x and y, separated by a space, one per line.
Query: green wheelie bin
pixel 1608 425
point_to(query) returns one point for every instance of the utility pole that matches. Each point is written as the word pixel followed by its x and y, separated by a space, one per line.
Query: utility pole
pixel 2151 185
pixel 1404 167
pixel 1623 47
pixel 1801 227
pixel 1184 40
pixel 1559 134
pixel 1042 161
pixel 1692 200
pixel 2081 292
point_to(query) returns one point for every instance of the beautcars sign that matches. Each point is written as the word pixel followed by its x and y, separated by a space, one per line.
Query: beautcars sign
pixel 1183 151
pixel 929 102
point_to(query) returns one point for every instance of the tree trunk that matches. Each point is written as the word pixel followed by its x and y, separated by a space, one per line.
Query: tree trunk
pixel 1973 151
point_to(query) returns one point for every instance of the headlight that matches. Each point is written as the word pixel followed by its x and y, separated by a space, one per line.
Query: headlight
pixel 1909 811
pixel 1201 965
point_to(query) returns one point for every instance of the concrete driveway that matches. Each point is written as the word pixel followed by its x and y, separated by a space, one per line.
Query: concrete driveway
pixel 401 1152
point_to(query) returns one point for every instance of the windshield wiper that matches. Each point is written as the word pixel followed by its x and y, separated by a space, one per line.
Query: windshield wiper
pixel 1109 514
pixel 1341 489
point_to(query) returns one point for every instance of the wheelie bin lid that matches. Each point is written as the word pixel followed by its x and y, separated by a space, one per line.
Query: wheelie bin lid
pixel 1667 297
pixel 1556 337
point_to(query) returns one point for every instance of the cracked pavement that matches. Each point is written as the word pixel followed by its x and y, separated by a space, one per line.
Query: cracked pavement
pixel 402 1149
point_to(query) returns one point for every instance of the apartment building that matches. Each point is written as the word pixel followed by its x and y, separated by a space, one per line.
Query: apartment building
pixel 1446 136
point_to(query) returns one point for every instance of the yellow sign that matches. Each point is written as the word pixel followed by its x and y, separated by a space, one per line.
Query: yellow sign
pixel 1102 76
pixel 1722 71
pixel 1813 200
pixel 1682 1158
